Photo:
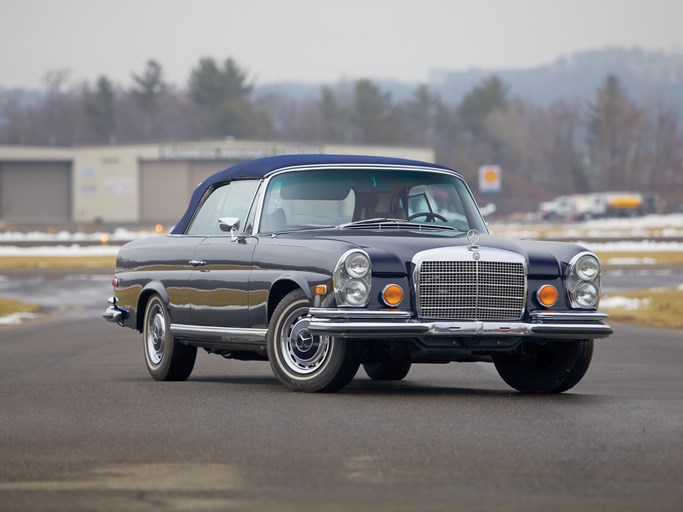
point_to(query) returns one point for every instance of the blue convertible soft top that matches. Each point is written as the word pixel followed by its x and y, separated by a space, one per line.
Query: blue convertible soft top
pixel 261 167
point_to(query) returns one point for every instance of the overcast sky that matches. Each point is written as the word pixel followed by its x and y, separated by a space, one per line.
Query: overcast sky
pixel 317 41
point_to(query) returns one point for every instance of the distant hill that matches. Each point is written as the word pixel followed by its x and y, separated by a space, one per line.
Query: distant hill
pixel 645 74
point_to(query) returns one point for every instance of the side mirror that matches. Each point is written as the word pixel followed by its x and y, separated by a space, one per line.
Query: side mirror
pixel 229 224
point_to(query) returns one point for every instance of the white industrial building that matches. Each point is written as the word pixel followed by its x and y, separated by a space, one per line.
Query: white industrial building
pixel 134 184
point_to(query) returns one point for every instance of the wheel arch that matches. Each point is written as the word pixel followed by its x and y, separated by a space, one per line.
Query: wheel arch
pixel 152 288
pixel 282 287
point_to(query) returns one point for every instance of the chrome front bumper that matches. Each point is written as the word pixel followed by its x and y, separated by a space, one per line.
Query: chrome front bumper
pixel 350 323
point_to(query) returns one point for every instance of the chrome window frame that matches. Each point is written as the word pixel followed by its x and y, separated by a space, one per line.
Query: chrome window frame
pixel 378 167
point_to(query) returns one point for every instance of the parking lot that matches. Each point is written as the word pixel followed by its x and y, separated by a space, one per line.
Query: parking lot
pixel 85 428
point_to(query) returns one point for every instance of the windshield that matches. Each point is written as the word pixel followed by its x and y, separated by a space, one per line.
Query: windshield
pixel 311 199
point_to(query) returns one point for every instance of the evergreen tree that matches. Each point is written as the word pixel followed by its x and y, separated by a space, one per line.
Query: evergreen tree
pixel 211 86
pixel 421 110
pixel 334 119
pixel 372 113
pixel 100 111
pixel 479 103
pixel 148 91
pixel 222 95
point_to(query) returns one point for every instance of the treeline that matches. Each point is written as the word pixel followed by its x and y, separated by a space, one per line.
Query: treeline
pixel 608 143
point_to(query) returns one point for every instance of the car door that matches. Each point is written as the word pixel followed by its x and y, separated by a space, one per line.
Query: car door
pixel 219 293
pixel 174 270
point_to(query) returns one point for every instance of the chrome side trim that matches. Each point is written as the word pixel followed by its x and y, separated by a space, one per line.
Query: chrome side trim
pixel 226 333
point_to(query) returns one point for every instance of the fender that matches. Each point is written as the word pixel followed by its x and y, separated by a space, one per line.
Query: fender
pixel 150 288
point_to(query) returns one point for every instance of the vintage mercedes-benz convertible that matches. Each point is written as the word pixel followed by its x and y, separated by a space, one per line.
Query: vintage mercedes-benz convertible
pixel 321 263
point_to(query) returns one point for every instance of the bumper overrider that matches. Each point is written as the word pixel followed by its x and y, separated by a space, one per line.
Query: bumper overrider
pixel 350 323
pixel 113 313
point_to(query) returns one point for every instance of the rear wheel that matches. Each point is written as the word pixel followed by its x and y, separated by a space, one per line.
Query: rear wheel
pixel 387 370
pixel 166 358
pixel 301 360
pixel 546 368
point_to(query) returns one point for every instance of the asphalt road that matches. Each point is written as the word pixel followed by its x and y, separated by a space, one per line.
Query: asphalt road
pixel 83 427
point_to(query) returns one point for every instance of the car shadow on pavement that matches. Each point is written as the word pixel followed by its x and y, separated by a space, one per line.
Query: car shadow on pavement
pixel 369 387
pixel 360 387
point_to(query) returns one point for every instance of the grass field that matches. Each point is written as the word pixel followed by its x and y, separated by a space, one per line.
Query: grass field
pixel 57 262
pixel 655 308
pixel 10 306
pixel 654 258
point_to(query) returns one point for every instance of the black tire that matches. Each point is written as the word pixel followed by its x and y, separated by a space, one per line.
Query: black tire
pixel 387 370
pixel 301 361
pixel 553 367
pixel 166 358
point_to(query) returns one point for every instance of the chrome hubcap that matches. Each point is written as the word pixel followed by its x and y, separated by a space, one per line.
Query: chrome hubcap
pixel 302 351
pixel 156 332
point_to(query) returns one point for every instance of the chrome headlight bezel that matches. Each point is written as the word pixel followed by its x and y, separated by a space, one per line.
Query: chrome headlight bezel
pixel 587 267
pixel 352 279
pixel 583 275
pixel 357 265
pixel 586 294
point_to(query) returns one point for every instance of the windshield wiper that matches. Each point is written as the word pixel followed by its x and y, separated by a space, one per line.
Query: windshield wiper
pixel 296 230
pixel 398 223
pixel 377 220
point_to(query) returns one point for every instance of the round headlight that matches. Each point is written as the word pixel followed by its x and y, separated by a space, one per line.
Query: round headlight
pixel 357 264
pixel 586 295
pixel 587 268
pixel 356 292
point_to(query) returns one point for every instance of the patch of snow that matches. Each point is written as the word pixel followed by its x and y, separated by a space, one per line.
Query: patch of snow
pixel 642 246
pixel 648 226
pixel 119 234
pixel 624 303
pixel 631 223
pixel 631 261
pixel 16 318
pixel 60 250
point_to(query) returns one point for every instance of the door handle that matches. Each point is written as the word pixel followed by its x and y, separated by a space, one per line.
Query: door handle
pixel 197 263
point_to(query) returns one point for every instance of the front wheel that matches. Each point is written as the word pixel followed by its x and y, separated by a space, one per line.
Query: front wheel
pixel 553 367
pixel 302 361
pixel 166 358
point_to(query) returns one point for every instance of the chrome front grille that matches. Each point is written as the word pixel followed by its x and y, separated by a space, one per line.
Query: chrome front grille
pixel 471 290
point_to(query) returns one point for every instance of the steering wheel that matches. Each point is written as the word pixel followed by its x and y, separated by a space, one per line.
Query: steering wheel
pixel 429 216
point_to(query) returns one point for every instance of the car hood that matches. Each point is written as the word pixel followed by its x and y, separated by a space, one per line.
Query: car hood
pixel 392 252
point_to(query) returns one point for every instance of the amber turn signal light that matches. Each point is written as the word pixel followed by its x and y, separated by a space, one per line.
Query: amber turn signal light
pixel 547 295
pixel 392 295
